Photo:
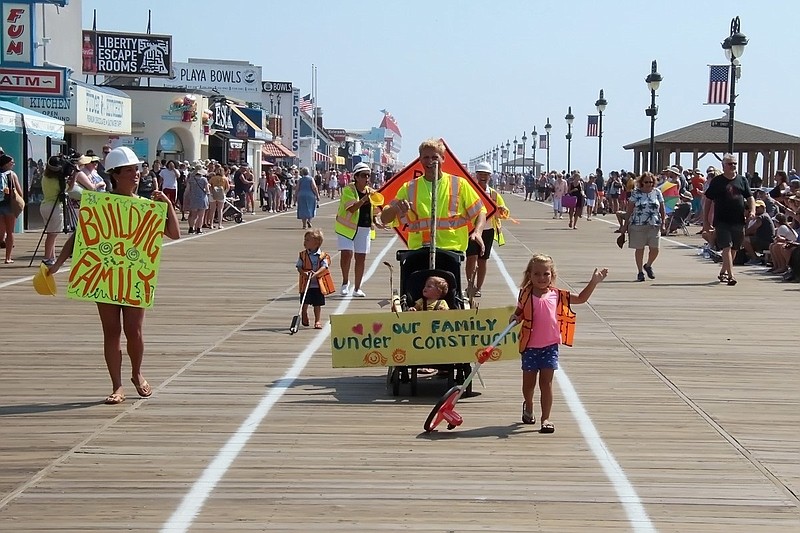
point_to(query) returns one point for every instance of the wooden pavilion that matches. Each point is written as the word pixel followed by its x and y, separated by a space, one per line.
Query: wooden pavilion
pixel 778 151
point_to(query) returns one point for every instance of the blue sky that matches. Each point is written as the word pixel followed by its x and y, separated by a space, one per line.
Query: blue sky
pixel 478 73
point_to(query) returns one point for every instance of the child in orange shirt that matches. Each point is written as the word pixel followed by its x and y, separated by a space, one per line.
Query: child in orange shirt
pixel 313 259
pixel 547 320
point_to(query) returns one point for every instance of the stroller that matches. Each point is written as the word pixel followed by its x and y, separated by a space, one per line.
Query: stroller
pixel 413 273
pixel 231 210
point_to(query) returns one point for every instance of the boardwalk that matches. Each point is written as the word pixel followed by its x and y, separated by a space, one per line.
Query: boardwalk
pixel 677 409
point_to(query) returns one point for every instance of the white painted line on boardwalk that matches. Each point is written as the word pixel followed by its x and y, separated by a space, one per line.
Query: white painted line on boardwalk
pixel 183 517
pixel 637 516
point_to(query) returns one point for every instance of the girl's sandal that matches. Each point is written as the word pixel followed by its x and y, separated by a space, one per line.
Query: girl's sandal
pixel 317 325
pixel 723 277
pixel 731 281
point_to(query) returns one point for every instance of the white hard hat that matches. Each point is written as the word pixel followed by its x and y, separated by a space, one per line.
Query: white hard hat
pixel 483 166
pixel 361 167
pixel 121 156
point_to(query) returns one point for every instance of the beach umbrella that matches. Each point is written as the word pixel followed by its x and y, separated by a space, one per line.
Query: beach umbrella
pixel 671 195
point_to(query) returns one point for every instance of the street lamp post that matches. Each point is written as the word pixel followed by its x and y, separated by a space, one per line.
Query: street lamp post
pixel 508 154
pixel 600 104
pixel 524 140
pixel 734 48
pixel 653 81
pixel 515 156
pixel 534 140
pixel 569 117
pixel 547 128
pixel 494 157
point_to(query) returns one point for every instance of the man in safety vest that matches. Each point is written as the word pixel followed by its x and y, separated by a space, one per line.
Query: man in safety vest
pixel 476 257
pixel 459 206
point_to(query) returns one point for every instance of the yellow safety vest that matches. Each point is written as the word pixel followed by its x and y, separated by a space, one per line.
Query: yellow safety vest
pixel 495 218
pixel 347 222
pixel 458 204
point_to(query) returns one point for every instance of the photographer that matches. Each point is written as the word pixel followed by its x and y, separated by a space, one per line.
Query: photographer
pixel 53 206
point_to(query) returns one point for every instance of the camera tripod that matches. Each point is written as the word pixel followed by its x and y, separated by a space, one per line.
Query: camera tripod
pixel 70 218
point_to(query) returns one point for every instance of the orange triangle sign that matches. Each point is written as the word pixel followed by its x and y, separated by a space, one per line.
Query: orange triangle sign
pixel 450 165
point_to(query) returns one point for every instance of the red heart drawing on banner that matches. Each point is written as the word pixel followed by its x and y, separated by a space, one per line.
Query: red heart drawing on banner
pixel 358 329
pixel 376 327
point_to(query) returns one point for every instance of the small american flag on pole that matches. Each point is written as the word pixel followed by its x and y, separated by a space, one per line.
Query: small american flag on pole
pixel 592 128
pixel 543 142
pixel 307 104
pixel 718 84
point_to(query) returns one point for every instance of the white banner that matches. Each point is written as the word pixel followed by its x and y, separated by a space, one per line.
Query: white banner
pixel 88 108
pixel 241 82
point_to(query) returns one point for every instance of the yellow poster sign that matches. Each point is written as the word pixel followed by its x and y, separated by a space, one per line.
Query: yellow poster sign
pixel 117 249
pixel 420 338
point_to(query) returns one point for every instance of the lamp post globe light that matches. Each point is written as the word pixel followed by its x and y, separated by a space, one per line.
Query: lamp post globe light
pixel 653 81
pixel 600 104
pixel 569 117
pixel 534 140
pixel 547 128
pixel 524 140
pixel 734 49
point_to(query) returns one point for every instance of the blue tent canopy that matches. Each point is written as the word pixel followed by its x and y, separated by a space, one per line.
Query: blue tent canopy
pixel 13 117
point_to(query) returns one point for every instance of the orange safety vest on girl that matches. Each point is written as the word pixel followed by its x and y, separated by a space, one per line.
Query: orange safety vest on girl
pixel 564 315
pixel 325 279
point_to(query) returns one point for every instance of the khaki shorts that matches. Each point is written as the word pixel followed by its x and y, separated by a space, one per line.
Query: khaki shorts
pixel 641 236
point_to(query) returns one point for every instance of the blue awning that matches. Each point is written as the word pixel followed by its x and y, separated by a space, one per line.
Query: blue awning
pixel 13 116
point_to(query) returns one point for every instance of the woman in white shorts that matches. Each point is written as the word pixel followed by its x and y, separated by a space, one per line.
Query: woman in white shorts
pixel 354 222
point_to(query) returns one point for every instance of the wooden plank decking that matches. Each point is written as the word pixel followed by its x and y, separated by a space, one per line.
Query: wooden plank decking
pixel 677 409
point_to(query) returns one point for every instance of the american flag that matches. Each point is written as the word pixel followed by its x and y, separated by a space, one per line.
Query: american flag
pixel 307 104
pixel 718 84
pixel 592 128
pixel 543 142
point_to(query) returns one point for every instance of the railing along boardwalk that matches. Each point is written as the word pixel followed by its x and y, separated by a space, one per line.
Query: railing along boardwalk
pixel 689 387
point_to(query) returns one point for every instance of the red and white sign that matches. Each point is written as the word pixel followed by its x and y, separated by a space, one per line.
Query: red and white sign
pixel 33 81
pixel 17 33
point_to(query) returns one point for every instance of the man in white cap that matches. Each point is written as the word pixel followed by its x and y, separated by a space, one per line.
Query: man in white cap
pixel 477 259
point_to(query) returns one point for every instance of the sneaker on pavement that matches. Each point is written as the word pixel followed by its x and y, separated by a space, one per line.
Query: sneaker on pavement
pixel 640 276
pixel 649 270
pixel 359 293
pixel 345 289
